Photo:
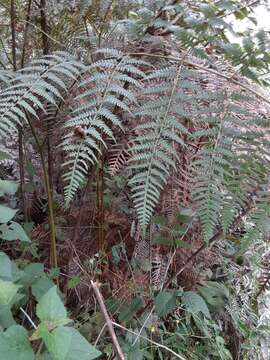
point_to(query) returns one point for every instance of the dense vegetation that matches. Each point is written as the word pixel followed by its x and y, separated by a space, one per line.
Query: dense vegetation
pixel 134 180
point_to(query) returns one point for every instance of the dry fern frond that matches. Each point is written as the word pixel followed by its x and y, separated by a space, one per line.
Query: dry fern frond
pixel 118 156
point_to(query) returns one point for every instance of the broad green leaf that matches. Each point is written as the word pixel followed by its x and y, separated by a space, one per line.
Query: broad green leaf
pixel 66 343
pixel 41 286
pixel 214 293
pixel 6 318
pixel 8 187
pixel 31 273
pixel 51 309
pixel 7 291
pixel 13 231
pixel 195 303
pixel 127 311
pixel 165 302
pixel 6 214
pixel 5 267
pixel 14 344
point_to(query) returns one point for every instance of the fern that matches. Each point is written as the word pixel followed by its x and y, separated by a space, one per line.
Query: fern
pixel 154 151
pixel 102 94
pixel 43 80
pixel 118 156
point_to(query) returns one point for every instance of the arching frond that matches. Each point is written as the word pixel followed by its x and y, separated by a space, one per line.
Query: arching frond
pixel 43 80
pixel 154 152
pixel 104 93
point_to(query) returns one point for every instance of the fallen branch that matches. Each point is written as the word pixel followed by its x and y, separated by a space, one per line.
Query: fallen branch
pixel 107 318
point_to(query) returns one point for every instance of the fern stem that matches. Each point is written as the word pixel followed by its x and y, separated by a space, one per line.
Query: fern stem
pixel 53 250
pixel 44 27
pixel 13 33
pixel 25 35
pixel 100 204
pixel 20 131
pixel 45 45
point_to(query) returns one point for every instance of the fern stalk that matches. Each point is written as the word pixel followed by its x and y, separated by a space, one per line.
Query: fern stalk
pixel 53 250
pixel 20 130
pixel 100 204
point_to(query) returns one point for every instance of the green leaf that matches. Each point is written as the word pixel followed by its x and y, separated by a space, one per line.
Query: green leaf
pixel 5 267
pixel 6 214
pixel 31 273
pixel 214 293
pixel 41 286
pixel 4 155
pixel 165 302
pixel 30 168
pixel 44 356
pixel 14 344
pixel 195 303
pixel 13 231
pixel 241 14
pixel 159 219
pixel 73 282
pixel 161 240
pixel 51 309
pixel 6 318
pixel 127 311
pixel 182 244
pixel 7 291
pixel 66 343
pixel 8 187
pixel 135 353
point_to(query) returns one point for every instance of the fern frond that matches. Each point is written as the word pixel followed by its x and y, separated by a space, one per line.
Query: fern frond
pixel 154 154
pixel 43 80
pixel 102 95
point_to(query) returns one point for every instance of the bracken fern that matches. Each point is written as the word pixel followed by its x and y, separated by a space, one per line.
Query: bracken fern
pixel 104 93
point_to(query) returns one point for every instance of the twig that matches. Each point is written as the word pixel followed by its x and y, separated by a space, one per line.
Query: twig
pixel 108 320
pixel 100 333
pixel 28 318
pixel 151 341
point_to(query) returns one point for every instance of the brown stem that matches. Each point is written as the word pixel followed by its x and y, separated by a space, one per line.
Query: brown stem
pixel 44 27
pixel 100 204
pixel 53 252
pixel 22 173
pixel 13 33
pixel 25 35
pixel 76 232
pixel 20 130
pixel 45 45
pixel 108 320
